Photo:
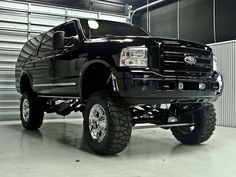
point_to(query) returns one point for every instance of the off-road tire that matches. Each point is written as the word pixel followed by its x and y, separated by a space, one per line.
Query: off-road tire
pixel 119 123
pixel 204 125
pixel 36 111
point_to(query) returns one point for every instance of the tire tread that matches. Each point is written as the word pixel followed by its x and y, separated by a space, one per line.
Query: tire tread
pixel 205 130
pixel 36 112
pixel 120 133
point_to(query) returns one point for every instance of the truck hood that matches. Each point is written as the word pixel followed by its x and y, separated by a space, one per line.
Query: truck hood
pixel 146 40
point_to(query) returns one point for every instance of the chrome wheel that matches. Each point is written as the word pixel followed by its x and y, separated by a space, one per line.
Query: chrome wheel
pixel 107 123
pixel 97 123
pixel 25 110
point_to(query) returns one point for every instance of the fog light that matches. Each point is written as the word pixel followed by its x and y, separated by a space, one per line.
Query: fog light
pixel 180 86
pixel 202 86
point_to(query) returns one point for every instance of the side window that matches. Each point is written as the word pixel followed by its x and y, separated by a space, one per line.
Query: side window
pixel 46 47
pixel 70 31
pixel 35 42
pixel 46 44
pixel 30 47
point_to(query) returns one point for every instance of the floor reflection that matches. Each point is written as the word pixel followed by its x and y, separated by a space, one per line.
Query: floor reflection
pixel 69 134
pixel 59 149
pixel 149 140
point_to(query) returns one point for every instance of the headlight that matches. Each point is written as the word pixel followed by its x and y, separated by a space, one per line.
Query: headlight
pixel 134 56
pixel 214 63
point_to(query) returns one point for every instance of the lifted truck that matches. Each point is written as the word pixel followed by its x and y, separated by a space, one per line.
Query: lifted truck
pixel 118 75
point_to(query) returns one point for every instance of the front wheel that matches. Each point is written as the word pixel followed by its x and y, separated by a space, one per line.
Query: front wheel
pixel 204 124
pixel 31 111
pixel 107 123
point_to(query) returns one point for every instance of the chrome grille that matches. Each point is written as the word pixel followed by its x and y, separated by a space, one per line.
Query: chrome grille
pixel 172 61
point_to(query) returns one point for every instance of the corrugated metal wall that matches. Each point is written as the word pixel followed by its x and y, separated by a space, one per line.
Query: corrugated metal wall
pixel 19 22
pixel 226 104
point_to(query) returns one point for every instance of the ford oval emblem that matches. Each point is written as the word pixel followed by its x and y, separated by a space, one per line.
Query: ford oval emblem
pixel 190 60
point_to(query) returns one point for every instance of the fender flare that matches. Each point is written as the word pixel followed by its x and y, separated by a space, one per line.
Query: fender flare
pixel 84 69
pixel 25 74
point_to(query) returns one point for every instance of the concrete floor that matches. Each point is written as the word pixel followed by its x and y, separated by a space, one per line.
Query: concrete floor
pixel 59 150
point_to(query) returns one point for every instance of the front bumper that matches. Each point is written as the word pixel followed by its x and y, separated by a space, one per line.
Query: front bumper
pixel 148 87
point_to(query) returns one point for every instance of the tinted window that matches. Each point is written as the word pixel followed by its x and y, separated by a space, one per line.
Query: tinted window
pixel 70 31
pixel 30 47
pixel 111 28
pixel 46 45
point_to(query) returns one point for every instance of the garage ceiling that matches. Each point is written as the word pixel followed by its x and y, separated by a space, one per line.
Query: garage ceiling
pixel 84 4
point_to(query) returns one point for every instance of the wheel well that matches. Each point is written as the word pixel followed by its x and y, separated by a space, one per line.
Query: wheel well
pixel 25 84
pixel 95 78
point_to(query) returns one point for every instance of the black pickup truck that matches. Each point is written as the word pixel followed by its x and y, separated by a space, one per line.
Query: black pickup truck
pixel 118 75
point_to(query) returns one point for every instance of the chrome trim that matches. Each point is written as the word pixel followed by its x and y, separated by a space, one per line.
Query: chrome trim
pixel 190 60
pixel 52 96
pixel 63 84
pixel 183 78
pixel 40 85
pixel 150 72
pixel 55 85
pixel 98 123
pixel 175 125
pixel 221 83
pixel 25 110
pixel 166 61
pixel 114 83
pixel 170 71
pixel 163 126
pixel 148 79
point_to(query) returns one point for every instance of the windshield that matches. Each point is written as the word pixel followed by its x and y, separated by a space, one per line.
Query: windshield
pixel 101 28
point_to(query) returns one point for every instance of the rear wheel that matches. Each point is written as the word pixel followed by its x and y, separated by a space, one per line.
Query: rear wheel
pixel 31 111
pixel 107 123
pixel 204 124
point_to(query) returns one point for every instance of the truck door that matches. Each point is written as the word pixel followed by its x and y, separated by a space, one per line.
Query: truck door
pixel 42 75
pixel 65 73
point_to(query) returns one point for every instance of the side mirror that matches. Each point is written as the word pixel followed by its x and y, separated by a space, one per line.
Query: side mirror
pixel 58 40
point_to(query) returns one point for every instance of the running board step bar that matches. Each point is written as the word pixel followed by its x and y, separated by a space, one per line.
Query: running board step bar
pixel 175 125
pixel 62 97
pixel 142 126
pixel 158 123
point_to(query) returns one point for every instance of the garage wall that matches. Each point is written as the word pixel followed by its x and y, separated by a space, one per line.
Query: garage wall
pixel 226 104
pixel 196 21
pixel 19 22
pixel 160 19
pixel 205 21
pixel 185 19
pixel 225 20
